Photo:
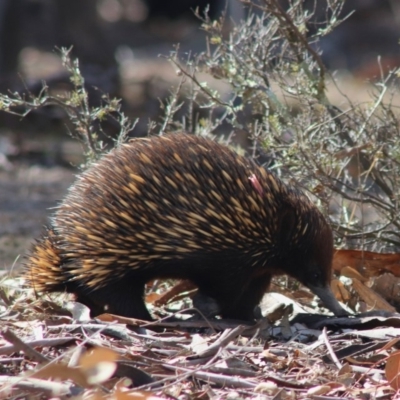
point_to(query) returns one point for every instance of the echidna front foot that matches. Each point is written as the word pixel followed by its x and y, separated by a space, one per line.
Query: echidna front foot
pixel 240 301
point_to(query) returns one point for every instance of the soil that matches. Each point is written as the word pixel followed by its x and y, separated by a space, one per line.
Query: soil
pixel 27 193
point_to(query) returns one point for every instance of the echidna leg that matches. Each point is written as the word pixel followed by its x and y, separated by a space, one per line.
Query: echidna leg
pixel 243 302
pixel 95 309
pixel 124 298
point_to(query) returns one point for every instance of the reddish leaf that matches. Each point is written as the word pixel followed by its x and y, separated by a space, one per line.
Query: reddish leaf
pixel 367 263
pixel 392 370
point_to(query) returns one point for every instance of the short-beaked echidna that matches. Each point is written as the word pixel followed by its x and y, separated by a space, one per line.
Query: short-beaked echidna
pixel 181 206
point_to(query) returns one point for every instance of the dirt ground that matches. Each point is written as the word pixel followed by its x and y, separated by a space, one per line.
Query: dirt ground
pixel 27 193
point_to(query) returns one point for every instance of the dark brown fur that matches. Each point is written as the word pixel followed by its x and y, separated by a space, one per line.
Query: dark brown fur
pixel 180 206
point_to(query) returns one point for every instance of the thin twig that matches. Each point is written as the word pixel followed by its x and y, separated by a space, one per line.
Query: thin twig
pixel 21 346
pixel 330 349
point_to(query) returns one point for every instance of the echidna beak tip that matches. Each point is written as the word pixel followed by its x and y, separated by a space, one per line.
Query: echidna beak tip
pixel 329 300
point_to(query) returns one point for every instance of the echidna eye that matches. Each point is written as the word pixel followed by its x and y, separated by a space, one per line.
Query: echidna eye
pixel 316 275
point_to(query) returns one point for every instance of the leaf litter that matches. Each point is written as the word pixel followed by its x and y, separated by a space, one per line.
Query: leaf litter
pixel 52 349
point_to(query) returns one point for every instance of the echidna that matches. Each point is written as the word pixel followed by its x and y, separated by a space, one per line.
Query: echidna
pixel 181 206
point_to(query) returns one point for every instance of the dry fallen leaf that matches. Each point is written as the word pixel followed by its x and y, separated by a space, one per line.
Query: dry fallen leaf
pixel 318 390
pixel 340 291
pixel 388 286
pixel 183 286
pixel 367 263
pixel 62 372
pixel 371 298
pixel 94 366
pixel 98 364
pixel 267 387
pixel 135 395
pixel 392 370
pixel 350 272
pixel 199 344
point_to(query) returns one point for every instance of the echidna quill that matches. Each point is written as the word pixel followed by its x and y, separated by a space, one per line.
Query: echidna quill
pixel 181 206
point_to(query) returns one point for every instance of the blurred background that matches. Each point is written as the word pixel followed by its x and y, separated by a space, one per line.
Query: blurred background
pixel 118 44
